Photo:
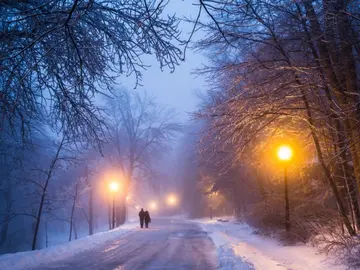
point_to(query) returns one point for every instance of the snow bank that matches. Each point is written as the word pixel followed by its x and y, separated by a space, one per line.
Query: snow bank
pixel 36 258
pixel 239 248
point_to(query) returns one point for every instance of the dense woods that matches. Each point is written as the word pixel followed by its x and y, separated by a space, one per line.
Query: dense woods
pixel 284 72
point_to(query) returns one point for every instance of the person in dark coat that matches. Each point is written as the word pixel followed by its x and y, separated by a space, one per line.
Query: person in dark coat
pixel 147 219
pixel 142 217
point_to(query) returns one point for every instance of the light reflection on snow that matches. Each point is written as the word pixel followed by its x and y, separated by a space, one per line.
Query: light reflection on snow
pixel 110 248
pixel 113 246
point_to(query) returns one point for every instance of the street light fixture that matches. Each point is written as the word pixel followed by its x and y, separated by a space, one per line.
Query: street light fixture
pixel 114 187
pixel 153 205
pixel 285 154
pixel 172 200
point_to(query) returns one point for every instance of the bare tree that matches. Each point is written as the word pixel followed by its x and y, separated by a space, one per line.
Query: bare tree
pixel 78 188
pixel 139 129
pixel 44 188
pixel 91 201
pixel 56 55
pixel 297 73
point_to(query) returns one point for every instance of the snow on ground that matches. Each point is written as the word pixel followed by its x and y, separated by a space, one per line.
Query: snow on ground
pixel 240 249
pixel 37 258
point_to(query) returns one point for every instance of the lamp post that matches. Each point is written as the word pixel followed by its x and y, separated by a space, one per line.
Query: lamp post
pixel 114 187
pixel 285 154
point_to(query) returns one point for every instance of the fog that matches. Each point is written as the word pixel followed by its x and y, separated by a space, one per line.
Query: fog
pixel 182 108
pixel 55 183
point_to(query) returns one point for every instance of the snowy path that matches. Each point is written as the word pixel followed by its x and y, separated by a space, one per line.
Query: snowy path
pixel 168 244
pixel 173 244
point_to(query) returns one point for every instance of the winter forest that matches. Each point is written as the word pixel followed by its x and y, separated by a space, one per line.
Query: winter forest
pixel 278 72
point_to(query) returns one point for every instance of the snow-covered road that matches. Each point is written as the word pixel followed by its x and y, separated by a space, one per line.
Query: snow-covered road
pixel 168 244
pixel 174 243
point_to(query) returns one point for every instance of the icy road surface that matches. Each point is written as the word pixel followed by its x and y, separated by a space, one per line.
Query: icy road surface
pixel 167 244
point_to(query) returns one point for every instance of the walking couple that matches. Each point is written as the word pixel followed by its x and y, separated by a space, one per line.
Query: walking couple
pixel 144 217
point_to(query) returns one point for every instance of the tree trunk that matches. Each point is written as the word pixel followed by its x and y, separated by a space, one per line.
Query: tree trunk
pixel 287 203
pixel 328 74
pixel 347 103
pixel 109 215
pixel 91 214
pixel 5 226
pixel 120 212
pixel 46 235
pixel 71 218
pixel 91 203
pixel 44 189
pixel 73 208
pixel 38 218
pixel 350 182
pixel 326 170
pixel 8 201
pixel 113 212
pixel 353 197
pixel 121 208
pixel 75 231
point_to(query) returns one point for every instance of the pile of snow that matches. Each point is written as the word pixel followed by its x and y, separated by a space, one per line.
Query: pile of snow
pixel 239 248
pixel 58 237
pixel 36 258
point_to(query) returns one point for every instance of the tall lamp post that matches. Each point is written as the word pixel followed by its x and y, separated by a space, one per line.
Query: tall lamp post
pixel 114 187
pixel 285 154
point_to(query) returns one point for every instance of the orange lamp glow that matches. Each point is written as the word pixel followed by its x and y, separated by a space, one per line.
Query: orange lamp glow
pixel 285 153
pixel 114 186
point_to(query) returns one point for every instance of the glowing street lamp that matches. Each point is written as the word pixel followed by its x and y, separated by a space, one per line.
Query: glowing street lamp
pixel 285 154
pixel 153 205
pixel 114 187
pixel 172 200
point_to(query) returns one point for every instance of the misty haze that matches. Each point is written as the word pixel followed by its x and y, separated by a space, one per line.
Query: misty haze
pixel 179 134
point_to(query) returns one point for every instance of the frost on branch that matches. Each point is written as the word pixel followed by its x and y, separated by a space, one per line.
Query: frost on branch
pixel 56 55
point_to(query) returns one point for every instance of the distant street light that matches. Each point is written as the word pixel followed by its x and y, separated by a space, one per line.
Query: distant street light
pixel 172 200
pixel 285 154
pixel 114 187
pixel 153 205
